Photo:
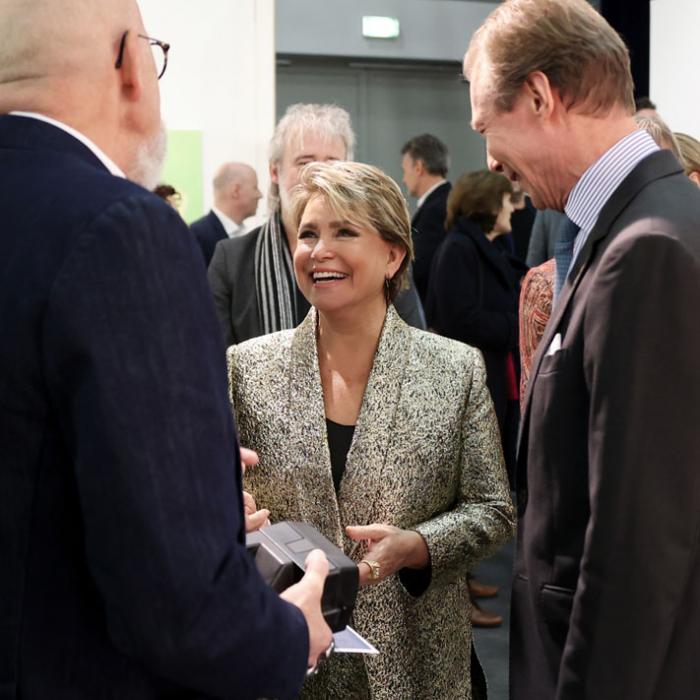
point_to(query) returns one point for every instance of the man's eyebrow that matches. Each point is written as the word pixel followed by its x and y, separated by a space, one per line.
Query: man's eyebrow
pixel 307 156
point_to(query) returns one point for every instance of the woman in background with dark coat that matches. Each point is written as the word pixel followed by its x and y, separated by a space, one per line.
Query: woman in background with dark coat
pixel 474 289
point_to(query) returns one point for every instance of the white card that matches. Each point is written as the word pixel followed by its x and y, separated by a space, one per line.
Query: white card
pixel 347 641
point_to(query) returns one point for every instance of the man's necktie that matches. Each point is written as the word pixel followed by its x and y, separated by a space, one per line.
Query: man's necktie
pixel 564 252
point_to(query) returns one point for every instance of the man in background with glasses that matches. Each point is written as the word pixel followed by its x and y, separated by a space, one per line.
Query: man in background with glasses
pixel 123 569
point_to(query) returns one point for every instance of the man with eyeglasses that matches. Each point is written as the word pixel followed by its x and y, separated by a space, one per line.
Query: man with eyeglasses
pixel 123 571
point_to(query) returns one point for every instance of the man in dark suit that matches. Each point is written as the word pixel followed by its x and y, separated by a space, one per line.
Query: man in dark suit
pixel 425 162
pixel 124 572
pixel 236 197
pixel 251 277
pixel 606 593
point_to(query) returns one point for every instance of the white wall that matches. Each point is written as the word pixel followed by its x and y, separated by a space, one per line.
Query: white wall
pixel 675 63
pixel 220 77
pixel 439 30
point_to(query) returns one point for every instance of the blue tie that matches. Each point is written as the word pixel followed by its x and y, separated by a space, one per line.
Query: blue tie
pixel 564 251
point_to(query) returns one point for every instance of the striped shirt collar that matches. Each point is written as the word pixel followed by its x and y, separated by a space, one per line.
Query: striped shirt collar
pixel 599 182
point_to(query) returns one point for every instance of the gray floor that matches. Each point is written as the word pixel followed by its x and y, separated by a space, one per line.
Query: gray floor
pixel 492 644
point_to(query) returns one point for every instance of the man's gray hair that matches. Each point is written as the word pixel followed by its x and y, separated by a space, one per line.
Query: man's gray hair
pixel 326 120
pixel 583 57
pixel 431 151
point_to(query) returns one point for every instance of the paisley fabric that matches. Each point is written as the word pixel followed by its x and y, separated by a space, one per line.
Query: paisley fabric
pixel 425 456
pixel 535 309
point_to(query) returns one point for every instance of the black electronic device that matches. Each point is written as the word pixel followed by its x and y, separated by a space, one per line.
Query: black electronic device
pixel 280 551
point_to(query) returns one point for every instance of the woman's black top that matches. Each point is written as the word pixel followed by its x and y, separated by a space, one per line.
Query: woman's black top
pixel 339 439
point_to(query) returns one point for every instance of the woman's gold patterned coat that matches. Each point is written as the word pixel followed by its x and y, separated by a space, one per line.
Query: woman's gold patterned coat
pixel 425 456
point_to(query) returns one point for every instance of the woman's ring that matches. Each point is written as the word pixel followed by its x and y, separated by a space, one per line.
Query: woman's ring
pixel 373 568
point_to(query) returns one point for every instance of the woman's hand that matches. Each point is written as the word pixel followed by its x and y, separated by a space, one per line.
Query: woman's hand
pixel 249 458
pixel 389 549
pixel 254 518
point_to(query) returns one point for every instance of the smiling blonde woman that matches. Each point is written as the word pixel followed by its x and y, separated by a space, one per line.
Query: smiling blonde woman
pixel 380 435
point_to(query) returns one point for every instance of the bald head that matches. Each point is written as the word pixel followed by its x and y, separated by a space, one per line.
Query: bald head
pixel 236 191
pixel 46 38
pixel 231 172
pixel 57 58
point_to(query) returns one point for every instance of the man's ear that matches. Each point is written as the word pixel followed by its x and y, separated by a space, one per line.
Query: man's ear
pixel 275 172
pixel 132 67
pixel 538 90
pixel 236 190
pixel 695 177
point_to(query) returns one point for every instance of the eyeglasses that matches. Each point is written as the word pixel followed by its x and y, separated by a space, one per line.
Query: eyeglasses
pixel 160 54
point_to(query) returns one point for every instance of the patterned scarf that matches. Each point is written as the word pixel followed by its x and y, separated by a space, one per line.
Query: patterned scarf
pixel 274 278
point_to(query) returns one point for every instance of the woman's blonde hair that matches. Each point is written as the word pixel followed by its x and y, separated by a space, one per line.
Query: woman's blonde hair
pixel 690 152
pixel 362 195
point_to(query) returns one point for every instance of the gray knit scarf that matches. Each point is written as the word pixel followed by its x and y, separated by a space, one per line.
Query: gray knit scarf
pixel 274 278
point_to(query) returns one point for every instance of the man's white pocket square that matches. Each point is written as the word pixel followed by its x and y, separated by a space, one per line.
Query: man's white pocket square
pixel 554 346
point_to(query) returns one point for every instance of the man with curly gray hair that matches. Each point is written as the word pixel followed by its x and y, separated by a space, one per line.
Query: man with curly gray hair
pixel 251 276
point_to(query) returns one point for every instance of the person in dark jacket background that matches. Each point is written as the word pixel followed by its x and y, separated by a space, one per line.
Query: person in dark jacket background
pixel 425 162
pixel 473 295
pixel 236 197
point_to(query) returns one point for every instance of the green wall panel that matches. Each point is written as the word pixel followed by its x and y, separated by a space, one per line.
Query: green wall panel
pixel 184 171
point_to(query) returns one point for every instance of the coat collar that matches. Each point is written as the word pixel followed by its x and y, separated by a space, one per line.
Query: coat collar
pixel 654 167
pixel 216 224
pixel 435 188
pixel 360 497
pixel 442 190
pixel 487 250
pixel 33 134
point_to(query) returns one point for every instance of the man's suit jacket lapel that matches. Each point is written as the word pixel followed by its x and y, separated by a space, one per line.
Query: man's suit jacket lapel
pixel 418 213
pixel 217 228
pixel 361 498
pixel 416 217
pixel 658 165
pixel 437 192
